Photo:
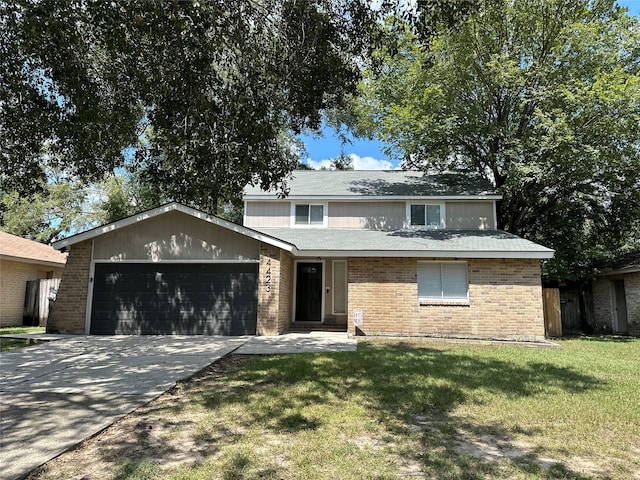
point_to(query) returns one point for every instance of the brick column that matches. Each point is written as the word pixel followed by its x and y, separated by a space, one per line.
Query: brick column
pixel 632 289
pixel 69 310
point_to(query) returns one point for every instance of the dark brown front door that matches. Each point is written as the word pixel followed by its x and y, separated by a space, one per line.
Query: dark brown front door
pixel 308 292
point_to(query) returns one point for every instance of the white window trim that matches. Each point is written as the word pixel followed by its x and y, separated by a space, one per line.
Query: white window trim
pixel 325 215
pixel 333 288
pixel 444 301
pixel 443 215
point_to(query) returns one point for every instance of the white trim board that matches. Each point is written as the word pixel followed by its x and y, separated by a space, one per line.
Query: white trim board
pixel 423 253
pixel 372 198
pixel 191 261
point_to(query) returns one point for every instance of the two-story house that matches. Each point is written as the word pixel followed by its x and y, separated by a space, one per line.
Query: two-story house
pixel 369 252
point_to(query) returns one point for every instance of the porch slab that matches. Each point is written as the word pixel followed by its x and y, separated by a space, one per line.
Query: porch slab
pixel 312 342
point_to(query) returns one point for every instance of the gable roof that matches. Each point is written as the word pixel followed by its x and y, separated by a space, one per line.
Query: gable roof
pixel 409 243
pixel 170 207
pixel 353 243
pixel 378 184
pixel 20 249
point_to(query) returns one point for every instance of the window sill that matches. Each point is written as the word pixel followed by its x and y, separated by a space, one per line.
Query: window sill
pixel 443 303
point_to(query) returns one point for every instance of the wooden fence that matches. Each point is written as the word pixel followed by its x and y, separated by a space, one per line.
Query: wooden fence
pixel 39 295
pixel 552 312
pixel 570 312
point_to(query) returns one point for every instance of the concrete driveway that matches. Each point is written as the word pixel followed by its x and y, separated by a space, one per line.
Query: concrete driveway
pixel 54 395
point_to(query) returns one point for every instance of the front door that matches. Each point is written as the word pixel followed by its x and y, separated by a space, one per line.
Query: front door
pixel 308 292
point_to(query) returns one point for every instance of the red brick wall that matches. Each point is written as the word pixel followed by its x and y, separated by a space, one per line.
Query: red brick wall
pixel 274 290
pixel 69 310
pixel 505 299
pixel 285 314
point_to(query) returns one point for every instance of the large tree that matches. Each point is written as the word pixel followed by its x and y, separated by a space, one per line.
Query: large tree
pixel 197 95
pixel 542 97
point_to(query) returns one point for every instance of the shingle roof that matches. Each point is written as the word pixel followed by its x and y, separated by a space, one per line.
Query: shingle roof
pixel 418 243
pixel 21 249
pixel 378 183
pixel 628 263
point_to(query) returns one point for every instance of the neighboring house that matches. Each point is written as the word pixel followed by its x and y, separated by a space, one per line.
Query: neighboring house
pixel 616 297
pixel 22 260
pixel 368 252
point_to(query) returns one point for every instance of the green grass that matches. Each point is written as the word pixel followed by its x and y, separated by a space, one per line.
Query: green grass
pixel 414 409
pixel 13 343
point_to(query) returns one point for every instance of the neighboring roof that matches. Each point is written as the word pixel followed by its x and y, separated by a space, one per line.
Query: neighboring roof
pixel 169 207
pixel 378 184
pixel 316 242
pixel 20 249
pixel 629 263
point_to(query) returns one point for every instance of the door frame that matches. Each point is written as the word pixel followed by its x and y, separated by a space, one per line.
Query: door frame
pixel 295 288
pixel 616 317
pixel 333 286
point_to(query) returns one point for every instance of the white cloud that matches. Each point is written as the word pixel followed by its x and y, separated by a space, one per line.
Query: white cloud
pixel 317 165
pixel 358 162
pixel 370 163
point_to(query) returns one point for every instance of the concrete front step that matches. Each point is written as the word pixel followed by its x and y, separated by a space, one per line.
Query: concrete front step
pixel 315 327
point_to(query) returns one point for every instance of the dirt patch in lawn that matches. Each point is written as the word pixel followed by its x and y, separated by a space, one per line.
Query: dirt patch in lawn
pixel 492 448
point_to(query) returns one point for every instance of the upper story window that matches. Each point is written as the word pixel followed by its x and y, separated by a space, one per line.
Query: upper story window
pixel 428 215
pixel 309 214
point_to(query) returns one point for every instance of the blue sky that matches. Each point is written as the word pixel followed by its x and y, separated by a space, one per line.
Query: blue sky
pixel 367 154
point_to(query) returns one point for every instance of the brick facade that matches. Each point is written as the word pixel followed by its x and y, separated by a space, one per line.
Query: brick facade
pixel 275 287
pixel 505 300
pixel 632 294
pixel 602 289
pixel 13 285
pixel 505 297
pixel 69 310
pixel 604 303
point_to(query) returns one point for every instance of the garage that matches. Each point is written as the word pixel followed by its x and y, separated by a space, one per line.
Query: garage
pixel 174 299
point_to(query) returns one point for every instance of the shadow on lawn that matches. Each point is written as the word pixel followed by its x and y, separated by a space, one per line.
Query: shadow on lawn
pixel 404 384
pixel 409 390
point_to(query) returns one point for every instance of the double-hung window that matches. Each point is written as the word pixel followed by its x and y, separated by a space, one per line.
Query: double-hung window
pixel 443 282
pixel 308 214
pixel 429 215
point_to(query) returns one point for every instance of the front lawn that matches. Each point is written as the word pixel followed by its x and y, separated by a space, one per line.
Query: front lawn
pixel 13 343
pixel 393 409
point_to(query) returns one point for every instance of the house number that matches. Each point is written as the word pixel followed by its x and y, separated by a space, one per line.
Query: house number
pixel 267 277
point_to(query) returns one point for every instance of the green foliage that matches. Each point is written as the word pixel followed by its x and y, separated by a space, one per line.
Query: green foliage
pixel 541 98
pixel 200 92
pixel 56 207
pixel 342 162
pixel 120 196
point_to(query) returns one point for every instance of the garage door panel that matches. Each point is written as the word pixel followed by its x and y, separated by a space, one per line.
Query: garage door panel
pixel 213 299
